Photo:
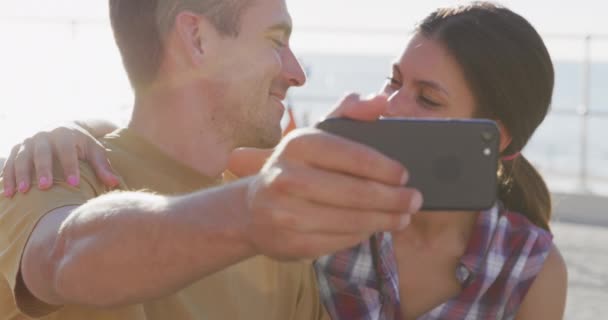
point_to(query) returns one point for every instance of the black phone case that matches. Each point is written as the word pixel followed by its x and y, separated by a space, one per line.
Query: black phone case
pixel 452 162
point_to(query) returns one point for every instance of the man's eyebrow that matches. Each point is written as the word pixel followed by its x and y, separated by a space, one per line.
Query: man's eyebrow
pixel 283 27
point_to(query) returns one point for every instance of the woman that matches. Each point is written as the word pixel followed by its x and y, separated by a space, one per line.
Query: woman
pixel 473 61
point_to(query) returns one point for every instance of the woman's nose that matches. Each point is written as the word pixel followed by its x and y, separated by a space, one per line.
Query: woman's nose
pixel 399 104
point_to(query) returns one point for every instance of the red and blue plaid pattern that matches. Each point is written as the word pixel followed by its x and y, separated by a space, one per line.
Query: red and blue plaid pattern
pixel 504 255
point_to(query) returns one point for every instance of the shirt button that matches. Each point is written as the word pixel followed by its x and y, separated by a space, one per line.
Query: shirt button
pixel 462 274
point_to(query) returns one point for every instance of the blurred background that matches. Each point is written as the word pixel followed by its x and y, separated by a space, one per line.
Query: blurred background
pixel 59 63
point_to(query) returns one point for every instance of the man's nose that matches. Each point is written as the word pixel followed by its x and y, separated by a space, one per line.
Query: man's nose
pixel 292 70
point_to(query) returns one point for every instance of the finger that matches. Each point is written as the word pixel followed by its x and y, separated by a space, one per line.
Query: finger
pixel 67 151
pixel 8 174
pixel 342 191
pixel 361 109
pixel 43 162
pixel 96 155
pixel 309 217
pixel 343 155
pixel 23 166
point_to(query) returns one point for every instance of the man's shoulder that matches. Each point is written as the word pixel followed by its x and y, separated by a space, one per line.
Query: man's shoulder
pixel 37 202
pixel 143 165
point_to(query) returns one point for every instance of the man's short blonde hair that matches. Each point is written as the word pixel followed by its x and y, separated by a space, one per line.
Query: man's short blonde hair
pixel 140 25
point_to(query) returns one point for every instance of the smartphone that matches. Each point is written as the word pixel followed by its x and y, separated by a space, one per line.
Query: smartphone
pixel 452 162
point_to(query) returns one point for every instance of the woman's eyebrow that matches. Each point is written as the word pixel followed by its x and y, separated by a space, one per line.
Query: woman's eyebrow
pixel 433 85
pixel 396 70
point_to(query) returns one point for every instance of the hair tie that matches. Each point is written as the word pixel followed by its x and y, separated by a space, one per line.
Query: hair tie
pixel 512 156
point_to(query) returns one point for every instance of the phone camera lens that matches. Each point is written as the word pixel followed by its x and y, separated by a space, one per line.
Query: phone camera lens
pixel 487 136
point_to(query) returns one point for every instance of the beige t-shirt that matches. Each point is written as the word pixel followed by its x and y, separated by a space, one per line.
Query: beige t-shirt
pixel 258 288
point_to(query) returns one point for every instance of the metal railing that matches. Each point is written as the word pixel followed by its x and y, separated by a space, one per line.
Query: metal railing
pixel 584 111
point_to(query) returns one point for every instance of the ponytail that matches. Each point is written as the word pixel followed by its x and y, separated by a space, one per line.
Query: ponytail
pixel 523 190
pixel 510 73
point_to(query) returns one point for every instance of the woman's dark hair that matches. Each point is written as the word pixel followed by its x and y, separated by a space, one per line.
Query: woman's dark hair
pixel 510 72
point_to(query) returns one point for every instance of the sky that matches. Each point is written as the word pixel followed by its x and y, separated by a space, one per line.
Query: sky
pixel 549 16
pixel 551 20
pixel 42 53
pixel 51 68
pixel 583 16
pixel 320 24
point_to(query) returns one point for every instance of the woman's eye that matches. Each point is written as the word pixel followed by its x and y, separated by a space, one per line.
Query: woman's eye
pixel 394 83
pixel 428 102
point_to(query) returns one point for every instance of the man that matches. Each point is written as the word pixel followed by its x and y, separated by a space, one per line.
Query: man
pixel 209 77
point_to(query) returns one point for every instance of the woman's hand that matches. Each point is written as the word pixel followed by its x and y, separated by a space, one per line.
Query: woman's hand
pixel 69 143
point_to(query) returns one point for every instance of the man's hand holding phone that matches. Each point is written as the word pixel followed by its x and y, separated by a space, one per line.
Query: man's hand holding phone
pixel 319 193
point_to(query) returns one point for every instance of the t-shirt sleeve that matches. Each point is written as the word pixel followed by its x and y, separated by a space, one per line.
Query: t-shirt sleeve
pixel 18 218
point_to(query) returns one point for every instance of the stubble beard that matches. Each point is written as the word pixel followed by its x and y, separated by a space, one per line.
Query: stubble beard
pixel 257 136
pixel 256 130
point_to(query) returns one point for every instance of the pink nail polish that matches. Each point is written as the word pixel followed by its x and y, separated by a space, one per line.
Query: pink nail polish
pixel 8 193
pixel 43 182
pixel 111 178
pixel 22 187
pixel 73 180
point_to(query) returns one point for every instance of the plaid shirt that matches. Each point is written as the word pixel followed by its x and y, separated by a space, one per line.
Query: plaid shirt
pixel 503 257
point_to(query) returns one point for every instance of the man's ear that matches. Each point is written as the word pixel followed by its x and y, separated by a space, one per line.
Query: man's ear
pixel 505 136
pixel 196 35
